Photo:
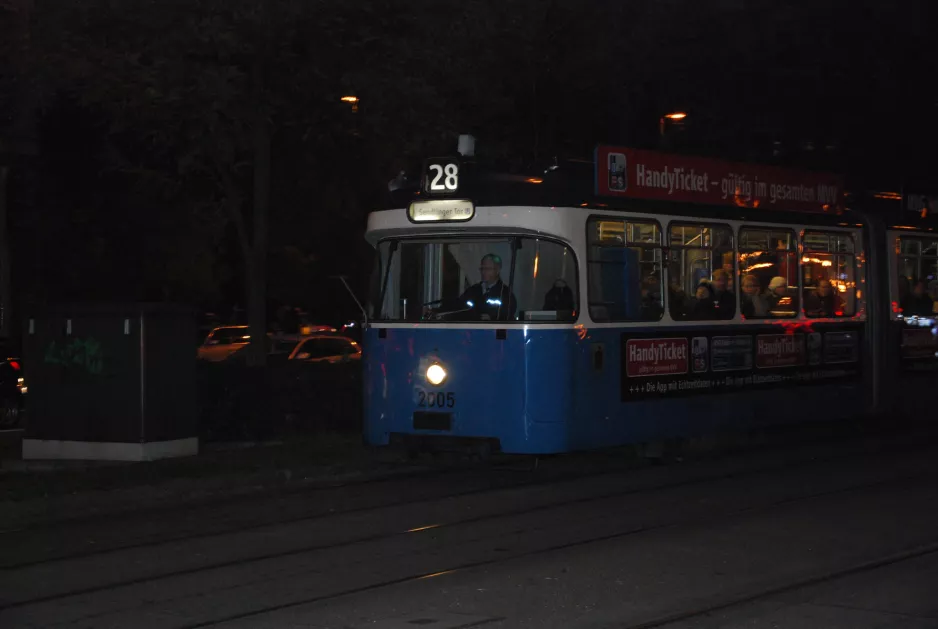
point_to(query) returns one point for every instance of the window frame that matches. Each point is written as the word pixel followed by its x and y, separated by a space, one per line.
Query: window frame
pixel 852 254
pixel 896 312
pixel 921 239
pixel 596 218
pixel 434 238
pixel 734 248
pixel 796 251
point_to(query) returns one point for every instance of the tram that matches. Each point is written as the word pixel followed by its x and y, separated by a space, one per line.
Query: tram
pixel 640 297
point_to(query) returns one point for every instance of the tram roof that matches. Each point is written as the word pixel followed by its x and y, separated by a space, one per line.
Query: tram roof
pixel 577 183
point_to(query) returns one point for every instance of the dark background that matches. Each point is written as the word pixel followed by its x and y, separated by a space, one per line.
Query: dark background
pixel 128 128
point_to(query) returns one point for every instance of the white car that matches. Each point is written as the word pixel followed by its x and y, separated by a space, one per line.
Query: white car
pixel 224 341
pixel 316 348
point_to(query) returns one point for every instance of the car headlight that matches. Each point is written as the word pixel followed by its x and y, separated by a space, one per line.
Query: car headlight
pixel 436 374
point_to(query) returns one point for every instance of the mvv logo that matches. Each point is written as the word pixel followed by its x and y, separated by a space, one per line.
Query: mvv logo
pixel 827 194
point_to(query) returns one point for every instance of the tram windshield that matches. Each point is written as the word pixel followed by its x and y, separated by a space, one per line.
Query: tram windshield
pixel 474 280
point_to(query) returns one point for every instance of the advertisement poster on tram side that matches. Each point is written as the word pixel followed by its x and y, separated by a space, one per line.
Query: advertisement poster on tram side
pixel 919 349
pixel 656 357
pixel 780 350
pixel 840 347
pixel 655 176
pixel 701 364
pixel 731 353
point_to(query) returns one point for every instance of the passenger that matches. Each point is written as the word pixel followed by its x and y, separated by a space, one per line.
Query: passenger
pixel 926 305
pixel 918 303
pixel 824 301
pixel 654 283
pixel 651 299
pixel 559 297
pixel 705 305
pixel 728 268
pixel 754 305
pixel 677 301
pixel 490 299
pixel 778 300
pixel 903 284
pixel 724 301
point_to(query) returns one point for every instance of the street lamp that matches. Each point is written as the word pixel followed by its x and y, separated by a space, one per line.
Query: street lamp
pixel 353 100
pixel 673 116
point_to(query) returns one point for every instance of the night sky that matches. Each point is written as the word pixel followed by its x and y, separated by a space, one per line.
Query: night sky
pixel 129 127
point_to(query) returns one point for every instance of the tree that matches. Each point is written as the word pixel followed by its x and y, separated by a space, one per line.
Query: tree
pixel 223 116
pixel 15 132
pixel 195 92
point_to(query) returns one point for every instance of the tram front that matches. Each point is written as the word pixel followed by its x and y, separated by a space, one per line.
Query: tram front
pixel 471 338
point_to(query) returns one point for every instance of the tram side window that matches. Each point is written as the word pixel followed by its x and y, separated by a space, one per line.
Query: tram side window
pixel 701 272
pixel 624 269
pixel 768 273
pixel 918 275
pixel 828 273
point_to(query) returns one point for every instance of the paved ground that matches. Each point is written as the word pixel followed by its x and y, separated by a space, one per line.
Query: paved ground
pixel 899 595
pixel 785 538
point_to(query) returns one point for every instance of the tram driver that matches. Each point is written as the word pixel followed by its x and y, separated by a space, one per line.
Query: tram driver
pixel 490 299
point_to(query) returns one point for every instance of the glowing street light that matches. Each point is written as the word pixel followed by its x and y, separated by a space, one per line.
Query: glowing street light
pixel 674 116
pixel 351 99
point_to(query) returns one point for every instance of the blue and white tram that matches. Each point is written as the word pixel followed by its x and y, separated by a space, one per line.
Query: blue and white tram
pixel 544 314
pixel 906 314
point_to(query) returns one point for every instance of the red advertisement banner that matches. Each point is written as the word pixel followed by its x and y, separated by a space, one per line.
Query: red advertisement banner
pixel 639 174
pixel 656 357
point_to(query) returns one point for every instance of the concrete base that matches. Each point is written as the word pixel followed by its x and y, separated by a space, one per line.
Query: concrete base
pixel 108 451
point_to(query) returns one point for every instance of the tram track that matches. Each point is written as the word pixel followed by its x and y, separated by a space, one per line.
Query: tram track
pixel 468 493
pixel 466 522
pixel 567 546
pixel 411 471
pixel 253 492
pixel 826 577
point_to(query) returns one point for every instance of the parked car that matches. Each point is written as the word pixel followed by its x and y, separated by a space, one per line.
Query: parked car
pixel 312 382
pixel 224 341
pixel 13 391
pixel 316 348
pixel 308 329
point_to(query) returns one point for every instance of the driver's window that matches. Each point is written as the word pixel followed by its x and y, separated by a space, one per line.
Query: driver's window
pixel 433 276
pixel 450 280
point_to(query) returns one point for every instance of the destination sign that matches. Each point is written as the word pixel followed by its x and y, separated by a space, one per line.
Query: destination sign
pixel 441 210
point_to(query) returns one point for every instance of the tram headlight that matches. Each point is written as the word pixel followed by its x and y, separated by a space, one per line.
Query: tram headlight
pixel 436 374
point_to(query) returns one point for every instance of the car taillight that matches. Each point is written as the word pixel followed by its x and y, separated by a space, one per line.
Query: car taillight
pixel 15 365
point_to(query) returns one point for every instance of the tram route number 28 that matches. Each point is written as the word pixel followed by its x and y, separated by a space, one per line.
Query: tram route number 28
pixel 437 399
pixel 443 177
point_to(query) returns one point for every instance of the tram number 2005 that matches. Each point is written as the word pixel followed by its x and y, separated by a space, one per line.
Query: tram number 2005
pixel 437 399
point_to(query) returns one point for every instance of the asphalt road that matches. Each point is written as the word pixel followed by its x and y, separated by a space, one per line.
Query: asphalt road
pixel 809 536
